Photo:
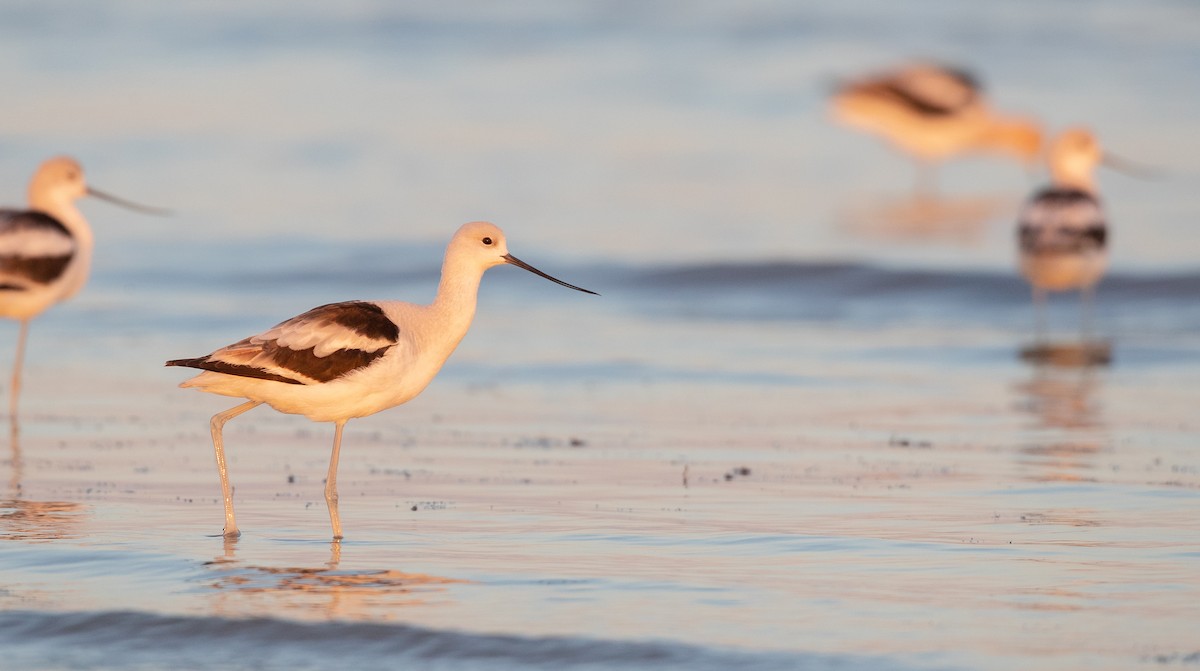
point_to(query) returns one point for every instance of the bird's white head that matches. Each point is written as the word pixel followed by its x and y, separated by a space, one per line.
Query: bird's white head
pixel 57 180
pixel 483 245
pixel 60 181
pixel 1073 157
pixel 482 242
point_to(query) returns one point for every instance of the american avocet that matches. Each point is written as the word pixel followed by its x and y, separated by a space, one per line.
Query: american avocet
pixel 46 251
pixel 934 113
pixel 1062 233
pixel 353 359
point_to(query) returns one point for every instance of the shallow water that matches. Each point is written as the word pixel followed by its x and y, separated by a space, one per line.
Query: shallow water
pixel 805 426
pixel 846 483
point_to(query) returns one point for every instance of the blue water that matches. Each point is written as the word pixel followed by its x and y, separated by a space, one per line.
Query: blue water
pixel 806 424
pixel 125 640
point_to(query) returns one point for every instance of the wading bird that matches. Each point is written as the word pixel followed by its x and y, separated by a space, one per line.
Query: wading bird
pixel 934 113
pixel 1062 233
pixel 46 250
pixel 353 359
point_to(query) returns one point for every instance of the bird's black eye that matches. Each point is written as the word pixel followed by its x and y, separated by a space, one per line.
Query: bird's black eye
pixel 487 241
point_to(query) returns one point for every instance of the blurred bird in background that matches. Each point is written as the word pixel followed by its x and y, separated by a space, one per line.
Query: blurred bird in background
pixel 46 250
pixel 934 113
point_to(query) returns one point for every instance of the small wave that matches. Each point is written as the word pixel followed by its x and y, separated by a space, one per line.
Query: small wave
pixel 133 640
pixel 872 295
pixel 848 278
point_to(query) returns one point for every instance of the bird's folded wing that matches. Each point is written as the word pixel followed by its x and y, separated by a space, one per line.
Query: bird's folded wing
pixel 941 89
pixel 320 345
pixel 928 91
pixel 35 249
pixel 1059 220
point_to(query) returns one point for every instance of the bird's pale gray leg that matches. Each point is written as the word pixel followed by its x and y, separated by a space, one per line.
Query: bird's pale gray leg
pixel 218 423
pixel 331 494
pixel 926 185
pixel 1086 299
pixel 14 389
pixel 1039 314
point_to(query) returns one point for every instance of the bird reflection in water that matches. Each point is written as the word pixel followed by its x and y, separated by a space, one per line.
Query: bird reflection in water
pixel 324 591
pixel 1061 395
pixel 25 520
pixel 960 220
pixel 15 463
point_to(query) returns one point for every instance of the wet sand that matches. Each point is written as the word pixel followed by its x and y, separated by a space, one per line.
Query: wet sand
pixel 1046 521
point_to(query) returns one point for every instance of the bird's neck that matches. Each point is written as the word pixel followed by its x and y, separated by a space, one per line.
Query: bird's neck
pixel 1012 135
pixel 1073 175
pixel 457 293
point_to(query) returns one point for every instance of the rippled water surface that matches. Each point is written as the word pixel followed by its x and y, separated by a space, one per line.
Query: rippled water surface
pixel 806 425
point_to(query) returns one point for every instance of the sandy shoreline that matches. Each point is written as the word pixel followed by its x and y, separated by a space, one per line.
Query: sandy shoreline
pixel 556 503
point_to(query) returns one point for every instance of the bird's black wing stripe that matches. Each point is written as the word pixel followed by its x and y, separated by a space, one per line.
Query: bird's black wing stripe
pixel 20 226
pixel 39 269
pixel 920 105
pixel 321 368
pixel 365 319
pixel 20 221
pixel 1052 195
pixel 1088 230
pixel 205 363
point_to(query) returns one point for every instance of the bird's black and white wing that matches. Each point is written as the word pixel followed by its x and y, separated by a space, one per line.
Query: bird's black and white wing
pixel 35 249
pixel 1062 221
pixel 927 90
pixel 321 345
